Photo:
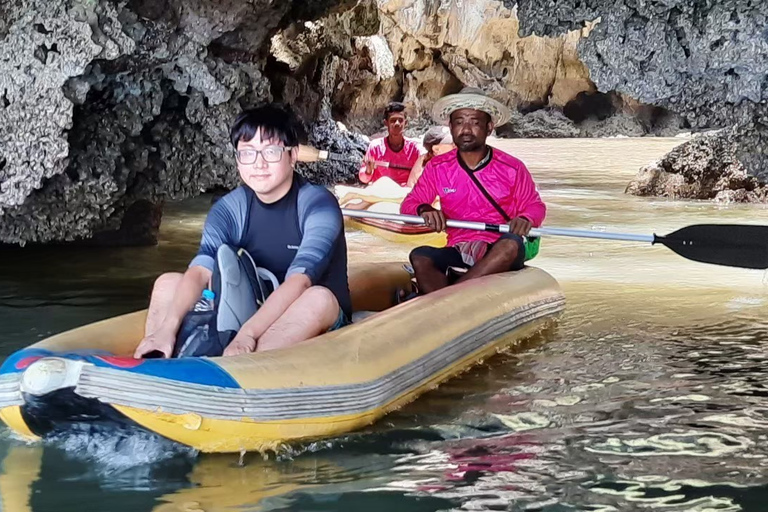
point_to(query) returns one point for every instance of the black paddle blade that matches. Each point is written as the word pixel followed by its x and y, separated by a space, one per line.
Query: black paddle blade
pixel 732 245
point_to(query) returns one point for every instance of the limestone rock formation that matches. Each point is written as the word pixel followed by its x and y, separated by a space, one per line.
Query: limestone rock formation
pixel 441 45
pixel 109 108
pixel 478 43
pixel 542 123
pixel 706 167
pixel 707 61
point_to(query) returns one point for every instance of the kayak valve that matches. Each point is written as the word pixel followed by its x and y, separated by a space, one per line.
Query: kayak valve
pixel 50 374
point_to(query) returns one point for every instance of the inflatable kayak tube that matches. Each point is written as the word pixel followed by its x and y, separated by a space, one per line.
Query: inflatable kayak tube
pixel 332 384
pixel 399 232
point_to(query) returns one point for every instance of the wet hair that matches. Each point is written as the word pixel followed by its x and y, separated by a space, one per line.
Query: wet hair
pixel 392 107
pixel 275 121
pixel 437 135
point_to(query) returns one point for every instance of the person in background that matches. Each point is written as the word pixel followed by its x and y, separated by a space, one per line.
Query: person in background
pixel 395 149
pixel 437 140
pixel 475 182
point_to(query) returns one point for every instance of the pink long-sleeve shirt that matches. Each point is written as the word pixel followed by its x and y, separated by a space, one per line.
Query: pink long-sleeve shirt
pixel 505 178
pixel 379 150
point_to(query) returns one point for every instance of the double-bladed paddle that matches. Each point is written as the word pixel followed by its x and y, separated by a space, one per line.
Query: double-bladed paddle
pixel 732 245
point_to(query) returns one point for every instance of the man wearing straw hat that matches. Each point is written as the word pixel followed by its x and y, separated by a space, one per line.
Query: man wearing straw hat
pixel 477 183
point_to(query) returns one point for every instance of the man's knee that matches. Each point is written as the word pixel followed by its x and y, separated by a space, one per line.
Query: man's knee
pixel 508 250
pixel 422 257
pixel 319 295
pixel 167 282
pixel 323 301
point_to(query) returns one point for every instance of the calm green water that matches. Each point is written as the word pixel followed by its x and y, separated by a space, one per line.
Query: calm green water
pixel 650 393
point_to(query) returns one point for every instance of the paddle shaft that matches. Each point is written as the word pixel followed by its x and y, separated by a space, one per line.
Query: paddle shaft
pixel 502 228
pixel 392 166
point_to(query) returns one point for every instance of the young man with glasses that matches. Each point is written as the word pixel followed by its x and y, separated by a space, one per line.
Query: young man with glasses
pixel 288 226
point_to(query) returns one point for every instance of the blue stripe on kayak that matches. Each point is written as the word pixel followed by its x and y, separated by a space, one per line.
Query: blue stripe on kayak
pixel 192 370
pixel 11 363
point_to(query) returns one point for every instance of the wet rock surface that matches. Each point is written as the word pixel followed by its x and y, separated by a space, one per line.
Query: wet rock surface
pixel 107 108
pixel 706 167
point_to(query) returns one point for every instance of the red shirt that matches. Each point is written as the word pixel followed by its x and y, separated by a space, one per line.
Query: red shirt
pixel 380 151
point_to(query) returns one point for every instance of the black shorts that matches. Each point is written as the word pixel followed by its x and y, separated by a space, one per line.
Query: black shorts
pixel 445 257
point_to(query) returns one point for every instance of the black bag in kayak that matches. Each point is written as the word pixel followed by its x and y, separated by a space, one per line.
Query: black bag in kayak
pixel 240 288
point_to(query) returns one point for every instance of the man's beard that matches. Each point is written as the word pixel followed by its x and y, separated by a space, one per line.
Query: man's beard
pixel 467 146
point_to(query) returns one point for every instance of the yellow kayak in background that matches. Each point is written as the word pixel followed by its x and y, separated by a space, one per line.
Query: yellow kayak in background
pixel 329 385
pixel 385 196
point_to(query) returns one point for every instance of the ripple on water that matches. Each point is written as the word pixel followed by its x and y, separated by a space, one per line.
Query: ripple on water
pixel 658 492
pixel 122 458
pixel 696 444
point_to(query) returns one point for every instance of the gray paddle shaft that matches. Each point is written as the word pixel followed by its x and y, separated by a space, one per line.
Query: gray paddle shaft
pixel 501 228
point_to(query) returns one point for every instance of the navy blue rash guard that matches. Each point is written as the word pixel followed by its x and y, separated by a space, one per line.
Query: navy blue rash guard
pixel 302 233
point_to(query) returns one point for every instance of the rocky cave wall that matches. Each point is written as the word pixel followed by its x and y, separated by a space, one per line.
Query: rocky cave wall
pixel 428 48
pixel 110 107
pixel 706 60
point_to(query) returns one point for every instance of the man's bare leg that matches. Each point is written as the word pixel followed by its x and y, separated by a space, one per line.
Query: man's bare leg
pixel 429 277
pixel 499 259
pixel 160 300
pixel 313 313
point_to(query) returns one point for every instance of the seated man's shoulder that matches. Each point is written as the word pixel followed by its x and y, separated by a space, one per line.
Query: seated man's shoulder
pixel 234 200
pixel 377 141
pixel 317 193
pixel 507 159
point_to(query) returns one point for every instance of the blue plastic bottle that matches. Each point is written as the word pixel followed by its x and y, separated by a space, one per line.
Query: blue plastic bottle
pixel 206 301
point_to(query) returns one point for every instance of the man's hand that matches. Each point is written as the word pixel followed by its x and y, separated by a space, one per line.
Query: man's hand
pixel 242 344
pixel 433 218
pixel 161 341
pixel 520 226
pixel 370 166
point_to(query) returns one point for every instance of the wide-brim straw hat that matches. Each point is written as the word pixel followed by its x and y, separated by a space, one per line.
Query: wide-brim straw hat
pixel 474 98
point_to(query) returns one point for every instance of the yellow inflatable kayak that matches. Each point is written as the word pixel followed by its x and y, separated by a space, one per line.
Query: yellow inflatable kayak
pixel 332 384
pixel 398 232
pixel 385 196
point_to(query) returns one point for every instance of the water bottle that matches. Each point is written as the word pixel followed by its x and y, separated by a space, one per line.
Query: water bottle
pixel 206 301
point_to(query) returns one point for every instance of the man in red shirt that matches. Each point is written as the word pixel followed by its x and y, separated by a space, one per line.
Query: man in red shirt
pixel 395 149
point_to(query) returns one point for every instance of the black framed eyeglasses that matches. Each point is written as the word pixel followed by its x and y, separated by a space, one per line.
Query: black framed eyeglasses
pixel 270 154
